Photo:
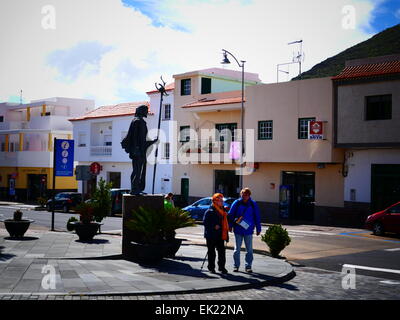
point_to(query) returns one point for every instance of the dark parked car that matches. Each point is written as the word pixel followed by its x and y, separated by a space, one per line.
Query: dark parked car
pixel 64 201
pixel 387 220
pixel 198 208
pixel 116 198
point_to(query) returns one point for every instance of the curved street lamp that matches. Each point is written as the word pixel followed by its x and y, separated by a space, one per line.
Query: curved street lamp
pixel 241 65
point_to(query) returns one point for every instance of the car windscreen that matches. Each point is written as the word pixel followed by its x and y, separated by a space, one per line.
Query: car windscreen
pixel 229 201
pixel 204 202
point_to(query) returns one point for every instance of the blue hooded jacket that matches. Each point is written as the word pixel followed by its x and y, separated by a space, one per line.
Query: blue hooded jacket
pixel 250 213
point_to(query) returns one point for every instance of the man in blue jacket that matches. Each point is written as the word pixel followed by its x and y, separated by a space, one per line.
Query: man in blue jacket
pixel 243 217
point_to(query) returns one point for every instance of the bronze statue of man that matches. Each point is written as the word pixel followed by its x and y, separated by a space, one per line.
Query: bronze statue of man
pixel 135 144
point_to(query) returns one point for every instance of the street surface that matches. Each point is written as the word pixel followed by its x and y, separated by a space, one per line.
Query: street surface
pixel 317 253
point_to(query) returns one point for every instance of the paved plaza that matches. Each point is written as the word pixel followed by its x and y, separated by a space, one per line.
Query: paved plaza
pixel 97 268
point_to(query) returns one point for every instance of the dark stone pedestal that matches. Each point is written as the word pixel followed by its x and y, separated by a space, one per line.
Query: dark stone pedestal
pixel 130 203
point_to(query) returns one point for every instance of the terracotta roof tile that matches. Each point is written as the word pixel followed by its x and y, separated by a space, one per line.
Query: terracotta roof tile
pixel 118 110
pixel 168 87
pixel 368 70
pixel 211 102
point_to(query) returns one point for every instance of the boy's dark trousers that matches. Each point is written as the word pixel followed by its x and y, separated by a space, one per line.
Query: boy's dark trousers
pixel 218 244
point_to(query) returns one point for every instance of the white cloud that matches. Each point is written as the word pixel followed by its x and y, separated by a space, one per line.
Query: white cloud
pixel 131 52
pixel 397 14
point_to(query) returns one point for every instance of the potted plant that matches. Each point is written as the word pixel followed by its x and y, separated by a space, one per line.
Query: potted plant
pixel 17 216
pixel 149 246
pixel 277 238
pixel 175 218
pixel 17 226
pixel 155 231
pixel 86 228
pixel 102 200
pixel 70 224
pixel 93 211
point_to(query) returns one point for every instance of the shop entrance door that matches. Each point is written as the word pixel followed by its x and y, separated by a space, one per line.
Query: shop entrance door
pixel 303 190
pixel 227 183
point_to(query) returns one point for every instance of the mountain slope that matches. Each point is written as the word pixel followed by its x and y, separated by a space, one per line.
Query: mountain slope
pixel 384 43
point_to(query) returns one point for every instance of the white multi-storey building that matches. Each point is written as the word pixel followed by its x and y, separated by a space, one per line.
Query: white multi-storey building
pixel 98 135
pixel 27 132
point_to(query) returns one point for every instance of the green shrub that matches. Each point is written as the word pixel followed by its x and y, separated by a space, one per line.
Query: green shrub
pixel 277 238
pixel 17 215
pixel 176 218
pixel 158 225
pixel 86 211
pixel 70 227
pixel 102 200
pixel 148 224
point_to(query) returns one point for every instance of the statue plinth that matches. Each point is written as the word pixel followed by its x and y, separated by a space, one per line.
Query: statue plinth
pixel 133 202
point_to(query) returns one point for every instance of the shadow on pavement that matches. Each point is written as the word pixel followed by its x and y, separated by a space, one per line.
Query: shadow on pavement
pixel 188 259
pixel 177 268
pixel 21 238
pixel 287 286
pixel 5 256
pixel 94 241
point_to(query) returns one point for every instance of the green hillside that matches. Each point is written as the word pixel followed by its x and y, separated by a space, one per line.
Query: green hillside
pixel 384 43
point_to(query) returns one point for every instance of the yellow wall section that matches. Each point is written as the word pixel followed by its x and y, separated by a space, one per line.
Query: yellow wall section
pixel 21 142
pixel 21 181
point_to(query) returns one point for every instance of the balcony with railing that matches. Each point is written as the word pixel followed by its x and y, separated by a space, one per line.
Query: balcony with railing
pixel 206 151
pixel 101 150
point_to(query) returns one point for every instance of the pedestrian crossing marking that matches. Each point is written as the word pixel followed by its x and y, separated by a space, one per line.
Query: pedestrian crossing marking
pixel 371 268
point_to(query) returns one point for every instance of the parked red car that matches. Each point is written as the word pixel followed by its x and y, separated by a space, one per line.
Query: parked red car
pixel 387 220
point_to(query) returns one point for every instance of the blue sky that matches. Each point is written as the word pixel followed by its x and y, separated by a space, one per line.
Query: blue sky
pixel 385 15
pixel 114 50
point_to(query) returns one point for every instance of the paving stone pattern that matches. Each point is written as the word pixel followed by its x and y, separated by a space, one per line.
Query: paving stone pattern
pixel 100 274
pixel 98 268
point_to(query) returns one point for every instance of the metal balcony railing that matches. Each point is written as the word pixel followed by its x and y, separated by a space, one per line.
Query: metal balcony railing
pixel 101 150
pixel 207 151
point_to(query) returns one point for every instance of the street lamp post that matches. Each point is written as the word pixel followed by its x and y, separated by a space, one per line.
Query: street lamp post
pixel 241 65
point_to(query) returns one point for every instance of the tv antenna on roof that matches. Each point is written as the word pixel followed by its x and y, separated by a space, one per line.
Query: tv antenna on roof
pixel 20 97
pixel 300 55
pixel 299 58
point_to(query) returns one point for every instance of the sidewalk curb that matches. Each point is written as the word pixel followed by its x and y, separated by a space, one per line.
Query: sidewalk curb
pixel 270 282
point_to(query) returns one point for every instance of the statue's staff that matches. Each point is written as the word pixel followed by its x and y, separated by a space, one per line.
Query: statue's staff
pixel 160 88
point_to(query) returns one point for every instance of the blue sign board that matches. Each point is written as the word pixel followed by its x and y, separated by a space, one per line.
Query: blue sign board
pixel 64 161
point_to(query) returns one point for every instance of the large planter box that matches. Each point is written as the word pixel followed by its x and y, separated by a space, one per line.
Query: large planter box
pixel 147 253
pixel 86 231
pixel 129 203
pixel 173 248
pixel 17 228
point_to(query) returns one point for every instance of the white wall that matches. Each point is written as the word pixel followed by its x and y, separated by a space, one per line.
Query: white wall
pixel 37 159
pixel 359 173
pixel 119 161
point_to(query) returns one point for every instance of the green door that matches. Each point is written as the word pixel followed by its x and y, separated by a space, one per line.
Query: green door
pixel 185 189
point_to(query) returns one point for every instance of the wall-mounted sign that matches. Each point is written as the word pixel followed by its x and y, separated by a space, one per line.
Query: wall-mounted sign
pixel 64 161
pixel 316 130
pixel 95 168
pixel 83 173
pixel 11 187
